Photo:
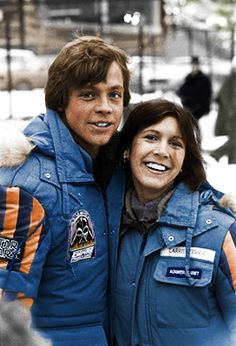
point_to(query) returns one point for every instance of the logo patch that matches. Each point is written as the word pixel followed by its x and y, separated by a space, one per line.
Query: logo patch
pixel 82 238
pixel 179 272
pixel 8 248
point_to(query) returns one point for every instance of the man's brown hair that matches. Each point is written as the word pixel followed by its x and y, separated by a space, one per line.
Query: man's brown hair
pixel 81 61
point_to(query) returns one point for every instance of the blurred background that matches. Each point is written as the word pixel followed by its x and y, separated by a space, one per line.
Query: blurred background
pixel 160 37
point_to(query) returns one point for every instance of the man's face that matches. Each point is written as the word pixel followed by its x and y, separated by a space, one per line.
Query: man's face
pixel 195 68
pixel 94 111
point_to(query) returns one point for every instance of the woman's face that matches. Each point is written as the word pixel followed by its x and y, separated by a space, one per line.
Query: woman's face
pixel 156 158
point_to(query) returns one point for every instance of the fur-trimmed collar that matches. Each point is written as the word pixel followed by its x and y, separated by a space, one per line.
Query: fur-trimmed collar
pixel 228 201
pixel 14 146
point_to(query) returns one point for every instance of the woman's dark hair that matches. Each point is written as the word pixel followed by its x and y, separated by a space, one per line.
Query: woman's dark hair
pixel 82 61
pixel 151 112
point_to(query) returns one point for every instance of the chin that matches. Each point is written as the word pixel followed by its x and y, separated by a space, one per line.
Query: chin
pixel 103 142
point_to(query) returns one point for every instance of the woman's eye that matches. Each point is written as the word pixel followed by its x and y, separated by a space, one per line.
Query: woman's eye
pixel 176 144
pixel 151 137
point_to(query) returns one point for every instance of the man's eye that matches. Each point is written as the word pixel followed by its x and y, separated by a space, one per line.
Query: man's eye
pixel 115 95
pixel 87 94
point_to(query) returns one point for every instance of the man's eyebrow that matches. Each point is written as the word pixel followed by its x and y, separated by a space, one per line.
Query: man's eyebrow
pixel 117 86
pixel 93 86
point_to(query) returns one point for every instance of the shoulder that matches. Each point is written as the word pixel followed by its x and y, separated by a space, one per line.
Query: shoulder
pixel 205 77
pixel 14 196
pixel 209 194
pixel 228 201
pixel 30 170
pixel 221 206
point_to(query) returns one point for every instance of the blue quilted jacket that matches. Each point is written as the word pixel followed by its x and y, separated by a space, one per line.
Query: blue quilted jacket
pixel 60 236
pixel 176 284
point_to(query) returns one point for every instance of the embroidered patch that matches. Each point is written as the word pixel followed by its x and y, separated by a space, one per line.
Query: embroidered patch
pixel 195 252
pixel 82 238
pixel 179 272
pixel 9 248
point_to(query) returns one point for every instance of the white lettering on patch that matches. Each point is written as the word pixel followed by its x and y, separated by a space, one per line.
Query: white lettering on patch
pixel 195 252
pixel 8 248
pixel 82 254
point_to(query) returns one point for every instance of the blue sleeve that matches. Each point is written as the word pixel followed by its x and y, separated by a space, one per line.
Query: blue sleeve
pixel 24 241
pixel 226 280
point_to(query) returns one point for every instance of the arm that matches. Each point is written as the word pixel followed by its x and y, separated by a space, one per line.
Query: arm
pixel 226 280
pixel 8 296
pixel 22 233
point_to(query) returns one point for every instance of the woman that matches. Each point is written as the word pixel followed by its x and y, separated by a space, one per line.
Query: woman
pixel 173 280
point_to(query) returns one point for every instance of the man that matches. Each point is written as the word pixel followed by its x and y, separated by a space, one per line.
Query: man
pixel 54 241
pixel 196 91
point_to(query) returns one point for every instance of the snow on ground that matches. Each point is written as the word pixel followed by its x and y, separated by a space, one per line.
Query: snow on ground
pixel 220 174
pixel 24 105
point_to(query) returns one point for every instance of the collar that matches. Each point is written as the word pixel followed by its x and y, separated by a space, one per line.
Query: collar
pixel 180 218
pixel 53 139
pixel 182 208
pixel 73 163
pixel 142 215
pixel 106 161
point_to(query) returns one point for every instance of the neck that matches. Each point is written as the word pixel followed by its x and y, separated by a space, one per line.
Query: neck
pixel 91 151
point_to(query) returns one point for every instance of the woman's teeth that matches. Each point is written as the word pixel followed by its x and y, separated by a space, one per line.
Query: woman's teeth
pixel 156 166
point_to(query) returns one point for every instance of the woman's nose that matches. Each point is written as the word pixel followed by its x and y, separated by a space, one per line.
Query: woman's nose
pixel 161 149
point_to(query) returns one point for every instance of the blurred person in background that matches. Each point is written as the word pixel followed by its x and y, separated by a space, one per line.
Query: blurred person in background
pixel 15 326
pixel 53 220
pixel 173 266
pixel 226 117
pixel 196 91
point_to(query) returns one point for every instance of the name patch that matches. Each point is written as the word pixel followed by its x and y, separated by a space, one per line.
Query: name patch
pixel 179 272
pixel 195 252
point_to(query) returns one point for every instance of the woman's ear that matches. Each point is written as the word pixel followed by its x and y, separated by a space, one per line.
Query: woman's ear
pixel 126 155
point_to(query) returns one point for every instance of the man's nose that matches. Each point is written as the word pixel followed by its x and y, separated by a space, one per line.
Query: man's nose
pixel 103 105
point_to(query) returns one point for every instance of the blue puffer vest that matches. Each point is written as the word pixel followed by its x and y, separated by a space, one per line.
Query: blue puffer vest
pixel 168 287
